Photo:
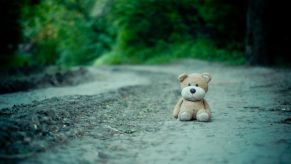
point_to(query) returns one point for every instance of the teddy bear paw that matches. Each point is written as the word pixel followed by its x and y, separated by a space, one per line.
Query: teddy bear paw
pixel 185 116
pixel 203 117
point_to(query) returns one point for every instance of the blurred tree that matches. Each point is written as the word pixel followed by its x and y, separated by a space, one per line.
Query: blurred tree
pixel 10 32
pixel 225 21
pixel 71 32
pixel 257 38
pixel 65 32
pixel 268 32
pixel 146 28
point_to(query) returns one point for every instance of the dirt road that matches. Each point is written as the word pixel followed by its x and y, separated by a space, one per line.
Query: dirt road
pixel 124 116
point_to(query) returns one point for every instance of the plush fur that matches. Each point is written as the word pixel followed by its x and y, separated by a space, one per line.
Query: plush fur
pixel 192 104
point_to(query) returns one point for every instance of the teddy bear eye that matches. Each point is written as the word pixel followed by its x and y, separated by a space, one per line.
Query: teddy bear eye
pixel 196 85
pixel 189 84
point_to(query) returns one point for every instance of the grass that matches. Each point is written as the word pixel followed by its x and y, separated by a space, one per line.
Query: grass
pixel 164 53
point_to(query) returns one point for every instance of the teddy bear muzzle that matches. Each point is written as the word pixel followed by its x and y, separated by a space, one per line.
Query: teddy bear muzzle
pixel 193 93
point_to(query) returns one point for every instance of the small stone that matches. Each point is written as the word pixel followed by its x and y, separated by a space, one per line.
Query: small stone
pixel 27 140
pixel 102 155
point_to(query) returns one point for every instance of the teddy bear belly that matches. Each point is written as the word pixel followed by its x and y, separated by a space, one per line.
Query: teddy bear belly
pixel 191 107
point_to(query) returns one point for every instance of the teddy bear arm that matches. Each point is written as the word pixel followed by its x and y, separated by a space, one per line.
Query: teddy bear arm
pixel 207 108
pixel 177 108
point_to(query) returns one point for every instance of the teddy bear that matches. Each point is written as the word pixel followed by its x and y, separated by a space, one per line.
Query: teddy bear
pixel 192 104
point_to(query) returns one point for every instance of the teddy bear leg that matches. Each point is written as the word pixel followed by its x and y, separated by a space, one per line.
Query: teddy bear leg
pixel 202 116
pixel 185 116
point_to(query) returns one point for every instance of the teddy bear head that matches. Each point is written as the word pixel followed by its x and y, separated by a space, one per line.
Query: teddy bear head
pixel 194 86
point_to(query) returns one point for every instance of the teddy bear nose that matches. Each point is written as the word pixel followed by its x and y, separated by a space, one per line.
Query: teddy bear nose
pixel 192 90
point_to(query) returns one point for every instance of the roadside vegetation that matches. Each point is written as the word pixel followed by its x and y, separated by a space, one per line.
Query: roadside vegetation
pixel 72 32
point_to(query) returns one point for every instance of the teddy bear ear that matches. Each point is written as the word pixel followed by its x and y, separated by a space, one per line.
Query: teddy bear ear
pixel 182 77
pixel 206 77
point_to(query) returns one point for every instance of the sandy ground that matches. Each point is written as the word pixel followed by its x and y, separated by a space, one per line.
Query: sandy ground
pixel 103 80
pixel 124 116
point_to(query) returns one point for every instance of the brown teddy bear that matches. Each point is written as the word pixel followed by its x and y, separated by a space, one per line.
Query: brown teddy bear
pixel 192 104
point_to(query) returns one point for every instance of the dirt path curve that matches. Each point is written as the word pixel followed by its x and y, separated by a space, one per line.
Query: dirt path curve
pixel 126 118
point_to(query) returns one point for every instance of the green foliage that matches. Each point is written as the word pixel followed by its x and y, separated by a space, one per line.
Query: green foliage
pixel 72 32
pixel 151 31
pixel 64 32
pixel 225 20
pixel 200 49
pixel 146 22
pixel 15 61
pixel 109 58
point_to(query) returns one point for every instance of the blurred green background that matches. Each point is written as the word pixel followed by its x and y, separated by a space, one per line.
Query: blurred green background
pixel 84 32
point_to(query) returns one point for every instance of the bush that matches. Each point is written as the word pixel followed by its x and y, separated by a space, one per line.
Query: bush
pixel 147 22
pixel 73 32
pixel 64 32
pixel 158 30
